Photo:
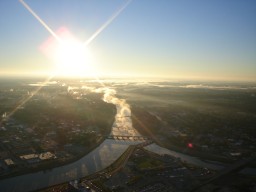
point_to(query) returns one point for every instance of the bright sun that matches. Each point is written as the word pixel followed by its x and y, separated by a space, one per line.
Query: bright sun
pixel 72 58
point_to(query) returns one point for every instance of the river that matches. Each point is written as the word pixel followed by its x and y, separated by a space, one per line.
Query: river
pixel 101 157
pixel 98 159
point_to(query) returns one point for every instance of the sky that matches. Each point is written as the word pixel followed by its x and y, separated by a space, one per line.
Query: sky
pixel 199 39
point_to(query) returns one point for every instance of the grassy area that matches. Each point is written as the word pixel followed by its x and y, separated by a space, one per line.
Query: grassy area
pixel 147 163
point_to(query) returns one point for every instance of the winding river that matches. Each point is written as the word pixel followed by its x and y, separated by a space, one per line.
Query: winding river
pixel 98 159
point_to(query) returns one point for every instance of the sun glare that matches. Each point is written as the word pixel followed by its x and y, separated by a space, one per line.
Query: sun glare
pixel 72 58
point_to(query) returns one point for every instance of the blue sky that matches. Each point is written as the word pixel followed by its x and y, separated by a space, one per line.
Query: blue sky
pixel 199 39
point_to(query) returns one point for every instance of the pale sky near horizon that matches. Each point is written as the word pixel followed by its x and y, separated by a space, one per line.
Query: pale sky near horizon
pixel 202 39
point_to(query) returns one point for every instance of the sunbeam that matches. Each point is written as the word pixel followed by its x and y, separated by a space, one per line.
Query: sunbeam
pixel 86 43
pixel 24 101
pixel 108 22
pixel 40 20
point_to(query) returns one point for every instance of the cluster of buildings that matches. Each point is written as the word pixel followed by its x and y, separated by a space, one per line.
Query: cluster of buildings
pixel 149 172
pixel 43 142
pixel 227 140
pixel 19 148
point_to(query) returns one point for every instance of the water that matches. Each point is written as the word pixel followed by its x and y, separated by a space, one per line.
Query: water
pixel 185 158
pixel 195 160
pixel 98 159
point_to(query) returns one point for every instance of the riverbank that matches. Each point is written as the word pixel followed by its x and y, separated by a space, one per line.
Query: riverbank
pixel 96 181
pixel 98 159
pixel 204 156
pixel 194 153
pixel 51 164
pixel 207 157
pixel 147 130
pixel 107 172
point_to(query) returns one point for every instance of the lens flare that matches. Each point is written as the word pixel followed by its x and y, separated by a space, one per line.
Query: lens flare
pixel 70 53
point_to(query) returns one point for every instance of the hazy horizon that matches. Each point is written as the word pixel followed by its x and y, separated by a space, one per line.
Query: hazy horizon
pixel 197 40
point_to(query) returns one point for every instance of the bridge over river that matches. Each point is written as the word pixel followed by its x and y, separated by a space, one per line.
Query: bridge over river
pixel 128 137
